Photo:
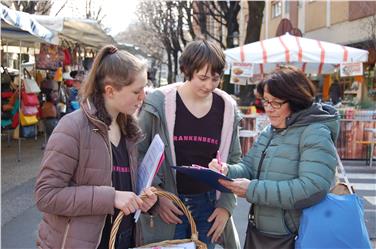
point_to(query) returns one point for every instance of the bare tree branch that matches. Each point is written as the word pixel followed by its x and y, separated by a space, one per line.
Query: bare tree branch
pixel 61 8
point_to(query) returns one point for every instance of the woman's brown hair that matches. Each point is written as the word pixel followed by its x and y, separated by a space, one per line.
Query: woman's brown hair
pixel 200 53
pixel 290 84
pixel 118 69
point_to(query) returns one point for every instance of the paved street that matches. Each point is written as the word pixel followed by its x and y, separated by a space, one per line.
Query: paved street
pixel 20 217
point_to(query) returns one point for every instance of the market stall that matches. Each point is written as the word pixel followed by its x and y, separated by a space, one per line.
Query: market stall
pixel 313 57
pixel 84 31
pixel 19 95
pixel 57 46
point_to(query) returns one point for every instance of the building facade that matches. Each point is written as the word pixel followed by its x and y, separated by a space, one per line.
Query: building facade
pixel 341 22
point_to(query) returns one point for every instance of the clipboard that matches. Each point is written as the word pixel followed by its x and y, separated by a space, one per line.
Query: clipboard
pixel 205 175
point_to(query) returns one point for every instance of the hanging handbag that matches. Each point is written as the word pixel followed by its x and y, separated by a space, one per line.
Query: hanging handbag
pixel 28 131
pixel 28 120
pixel 336 222
pixel 50 57
pixel 5 77
pixel 16 132
pixel 29 110
pixel 31 86
pixel 29 99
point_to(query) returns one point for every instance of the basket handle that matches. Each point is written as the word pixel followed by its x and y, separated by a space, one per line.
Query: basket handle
pixel 160 193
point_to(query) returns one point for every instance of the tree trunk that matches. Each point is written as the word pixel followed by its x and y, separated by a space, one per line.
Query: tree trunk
pixel 202 18
pixel 176 65
pixel 169 66
pixel 255 14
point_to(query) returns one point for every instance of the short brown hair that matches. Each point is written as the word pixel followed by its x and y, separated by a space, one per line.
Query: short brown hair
pixel 290 84
pixel 197 54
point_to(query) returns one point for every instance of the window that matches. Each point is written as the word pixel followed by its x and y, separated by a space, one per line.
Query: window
pixel 287 6
pixel 276 8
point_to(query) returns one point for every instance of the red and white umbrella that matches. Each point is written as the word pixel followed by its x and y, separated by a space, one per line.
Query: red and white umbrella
pixel 312 56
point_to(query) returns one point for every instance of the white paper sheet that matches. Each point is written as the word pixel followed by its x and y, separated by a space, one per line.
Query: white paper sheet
pixel 189 245
pixel 149 167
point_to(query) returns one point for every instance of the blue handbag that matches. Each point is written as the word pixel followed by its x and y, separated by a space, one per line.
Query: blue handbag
pixel 336 222
pixel 28 131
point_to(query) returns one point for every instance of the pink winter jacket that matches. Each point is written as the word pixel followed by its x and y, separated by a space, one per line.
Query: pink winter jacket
pixel 73 188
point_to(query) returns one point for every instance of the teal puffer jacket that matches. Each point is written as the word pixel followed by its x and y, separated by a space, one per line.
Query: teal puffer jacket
pixel 296 168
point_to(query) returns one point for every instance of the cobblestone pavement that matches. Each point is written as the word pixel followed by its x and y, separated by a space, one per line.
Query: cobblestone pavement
pixel 19 217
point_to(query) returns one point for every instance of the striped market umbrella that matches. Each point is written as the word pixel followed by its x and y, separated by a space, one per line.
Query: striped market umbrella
pixel 312 56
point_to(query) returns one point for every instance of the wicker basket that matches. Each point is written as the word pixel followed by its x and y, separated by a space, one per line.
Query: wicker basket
pixel 176 200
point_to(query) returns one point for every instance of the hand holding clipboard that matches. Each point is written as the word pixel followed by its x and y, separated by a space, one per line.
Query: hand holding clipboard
pixel 237 186
pixel 206 175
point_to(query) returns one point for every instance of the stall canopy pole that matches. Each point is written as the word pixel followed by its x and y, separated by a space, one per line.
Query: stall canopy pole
pixel 7 55
pixel 19 106
pixel 35 76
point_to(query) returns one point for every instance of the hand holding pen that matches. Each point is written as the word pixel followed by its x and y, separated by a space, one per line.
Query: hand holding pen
pixel 219 161
pixel 218 166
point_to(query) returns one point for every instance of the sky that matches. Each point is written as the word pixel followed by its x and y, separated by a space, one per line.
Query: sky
pixel 119 13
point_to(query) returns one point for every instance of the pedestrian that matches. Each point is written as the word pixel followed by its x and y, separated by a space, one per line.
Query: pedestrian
pixel 258 100
pixel 89 167
pixel 292 164
pixel 335 92
pixel 195 120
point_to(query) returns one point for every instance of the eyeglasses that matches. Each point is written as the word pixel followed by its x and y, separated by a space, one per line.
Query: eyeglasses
pixel 273 104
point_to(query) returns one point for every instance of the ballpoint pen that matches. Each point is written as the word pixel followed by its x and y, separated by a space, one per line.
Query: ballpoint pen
pixel 219 161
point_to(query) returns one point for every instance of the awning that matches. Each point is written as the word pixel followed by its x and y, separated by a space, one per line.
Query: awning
pixel 84 31
pixel 312 56
pixel 20 26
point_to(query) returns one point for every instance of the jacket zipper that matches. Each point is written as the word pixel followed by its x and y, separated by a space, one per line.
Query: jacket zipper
pixel 108 145
pixel 65 235
pixel 111 163
pixel 100 235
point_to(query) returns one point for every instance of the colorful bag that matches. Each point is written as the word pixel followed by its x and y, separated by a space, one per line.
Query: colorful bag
pixel 50 57
pixel 28 131
pixel 5 77
pixel 28 120
pixel 335 222
pixel 29 110
pixel 16 132
pixel 67 57
pixel 31 86
pixel 30 99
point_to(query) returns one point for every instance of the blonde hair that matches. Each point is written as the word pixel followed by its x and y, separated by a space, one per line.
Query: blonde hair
pixel 118 69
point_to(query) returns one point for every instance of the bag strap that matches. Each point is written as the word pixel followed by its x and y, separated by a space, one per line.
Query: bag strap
pixel 343 172
pixel 27 74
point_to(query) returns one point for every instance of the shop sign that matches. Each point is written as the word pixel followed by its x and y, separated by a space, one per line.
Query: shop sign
pixel 241 72
pixel 238 80
pixel 351 69
pixel 240 69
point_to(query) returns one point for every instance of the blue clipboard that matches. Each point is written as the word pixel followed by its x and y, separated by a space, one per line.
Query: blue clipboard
pixel 205 175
